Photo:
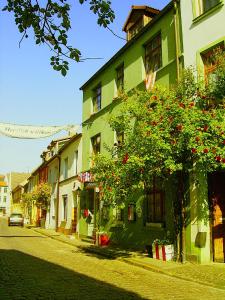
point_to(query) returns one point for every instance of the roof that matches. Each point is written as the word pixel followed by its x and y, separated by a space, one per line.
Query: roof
pixel 73 138
pixel 129 43
pixel 3 184
pixel 17 178
pixel 149 10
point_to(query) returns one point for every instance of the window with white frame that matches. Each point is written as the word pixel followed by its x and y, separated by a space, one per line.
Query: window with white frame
pixel 202 6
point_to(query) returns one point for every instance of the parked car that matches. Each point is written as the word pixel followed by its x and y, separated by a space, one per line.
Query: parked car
pixel 15 219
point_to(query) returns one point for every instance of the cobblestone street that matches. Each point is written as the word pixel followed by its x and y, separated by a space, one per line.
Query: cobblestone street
pixel 37 267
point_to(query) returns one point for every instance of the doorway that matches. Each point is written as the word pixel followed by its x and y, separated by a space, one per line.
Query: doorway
pixel 216 183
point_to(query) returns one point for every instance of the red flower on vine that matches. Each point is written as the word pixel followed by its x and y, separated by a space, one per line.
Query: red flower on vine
pixel 125 158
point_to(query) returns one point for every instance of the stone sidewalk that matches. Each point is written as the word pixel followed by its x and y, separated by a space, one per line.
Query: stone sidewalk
pixel 212 274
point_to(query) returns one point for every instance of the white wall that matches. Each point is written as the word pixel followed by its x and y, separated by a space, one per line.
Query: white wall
pixel 202 33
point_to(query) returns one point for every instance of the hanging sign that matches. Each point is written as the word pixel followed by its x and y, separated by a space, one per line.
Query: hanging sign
pixel 33 132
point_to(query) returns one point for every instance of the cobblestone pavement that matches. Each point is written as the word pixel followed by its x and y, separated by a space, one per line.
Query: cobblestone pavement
pixel 36 267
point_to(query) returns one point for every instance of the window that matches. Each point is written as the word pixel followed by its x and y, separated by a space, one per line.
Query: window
pixel 202 6
pixel 4 199
pixel 97 98
pixel 96 144
pixel 120 79
pixel 210 62
pixel 153 60
pixel 76 162
pixel 155 205
pixel 135 28
pixel 119 214
pixel 131 212
pixel 65 203
pixel 5 189
pixel 65 173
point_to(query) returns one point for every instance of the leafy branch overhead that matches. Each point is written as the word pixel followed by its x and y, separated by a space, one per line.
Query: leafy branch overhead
pixel 50 22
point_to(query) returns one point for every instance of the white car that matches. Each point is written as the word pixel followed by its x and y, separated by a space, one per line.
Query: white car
pixel 16 219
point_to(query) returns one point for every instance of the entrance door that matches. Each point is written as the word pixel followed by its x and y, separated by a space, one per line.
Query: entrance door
pixel 217 201
pixel 90 218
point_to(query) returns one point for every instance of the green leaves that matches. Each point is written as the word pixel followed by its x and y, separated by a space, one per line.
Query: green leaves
pixel 165 131
pixel 50 23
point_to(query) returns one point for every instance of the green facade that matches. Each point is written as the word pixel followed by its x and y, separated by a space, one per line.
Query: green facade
pixel 135 234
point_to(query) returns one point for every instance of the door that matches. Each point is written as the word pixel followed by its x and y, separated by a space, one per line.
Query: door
pixel 217 201
pixel 90 218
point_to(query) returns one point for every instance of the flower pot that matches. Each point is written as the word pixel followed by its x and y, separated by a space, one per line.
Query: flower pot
pixel 163 252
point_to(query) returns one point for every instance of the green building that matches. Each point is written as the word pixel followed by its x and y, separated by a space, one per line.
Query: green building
pixel 152 55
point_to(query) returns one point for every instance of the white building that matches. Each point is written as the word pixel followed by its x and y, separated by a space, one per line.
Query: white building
pixel 4 196
pixel 70 166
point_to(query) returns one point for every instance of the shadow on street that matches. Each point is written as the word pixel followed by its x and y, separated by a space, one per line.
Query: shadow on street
pixel 23 276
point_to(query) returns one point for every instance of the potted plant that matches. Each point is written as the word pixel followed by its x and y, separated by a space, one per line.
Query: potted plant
pixel 163 249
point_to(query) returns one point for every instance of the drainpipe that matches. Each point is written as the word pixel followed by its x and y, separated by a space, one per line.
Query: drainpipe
pixel 177 36
pixel 181 239
pixel 57 199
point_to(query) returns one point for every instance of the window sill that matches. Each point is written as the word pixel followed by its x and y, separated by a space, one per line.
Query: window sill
pixel 208 12
pixel 155 225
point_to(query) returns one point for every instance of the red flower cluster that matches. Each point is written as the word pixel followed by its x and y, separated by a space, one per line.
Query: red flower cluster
pixel 125 158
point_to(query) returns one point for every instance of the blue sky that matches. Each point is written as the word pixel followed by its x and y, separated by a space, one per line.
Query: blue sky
pixel 32 93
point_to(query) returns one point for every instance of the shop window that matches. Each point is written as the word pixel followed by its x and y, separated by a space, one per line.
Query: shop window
pixel 120 79
pixel 153 60
pixel 97 98
pixel 131 212
pixel 96 144
pixel 202 6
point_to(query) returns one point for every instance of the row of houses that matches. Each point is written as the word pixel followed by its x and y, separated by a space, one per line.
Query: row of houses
pixel 159 45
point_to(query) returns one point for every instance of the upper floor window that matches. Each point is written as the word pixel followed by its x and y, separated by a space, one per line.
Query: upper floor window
pixel 65 170
pixel 153 60
pixel 210 62
pixel 135 28
pixel 202 6
pixel 119 138
pixel 96 144
pixel 120 78
pixel 4 199
pixel 5 189
pixel 76 162
pixel 97 98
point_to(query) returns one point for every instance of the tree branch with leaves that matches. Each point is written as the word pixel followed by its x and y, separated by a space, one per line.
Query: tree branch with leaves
pixel 49 21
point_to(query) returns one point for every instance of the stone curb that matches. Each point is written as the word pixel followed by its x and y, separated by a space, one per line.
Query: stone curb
pixel 130 261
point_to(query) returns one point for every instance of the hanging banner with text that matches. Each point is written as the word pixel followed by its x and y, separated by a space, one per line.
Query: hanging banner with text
pixel 33 132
